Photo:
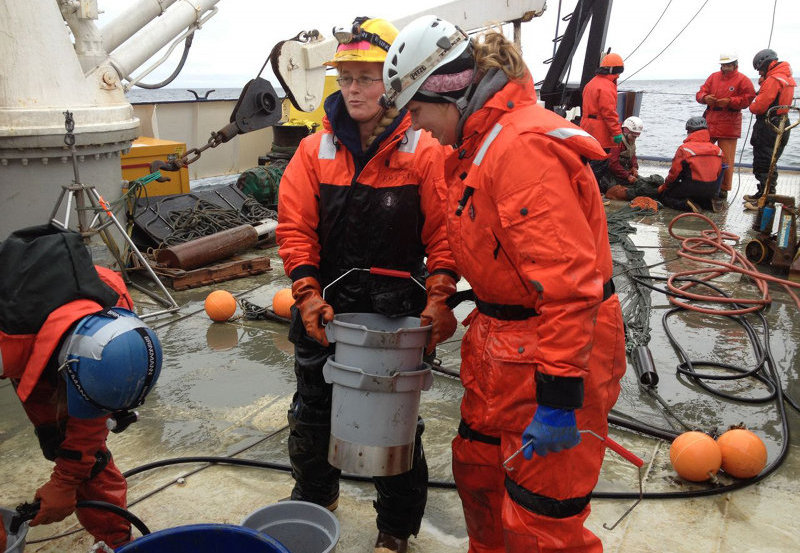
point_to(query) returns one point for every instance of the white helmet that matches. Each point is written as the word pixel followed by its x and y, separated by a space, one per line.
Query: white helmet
pixel 423 46
pixel 728 58
pixel 633 124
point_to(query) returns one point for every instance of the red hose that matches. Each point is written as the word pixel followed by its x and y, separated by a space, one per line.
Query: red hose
pixel 710 241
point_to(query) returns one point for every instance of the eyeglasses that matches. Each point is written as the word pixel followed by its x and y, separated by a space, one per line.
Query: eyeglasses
pixel 363 82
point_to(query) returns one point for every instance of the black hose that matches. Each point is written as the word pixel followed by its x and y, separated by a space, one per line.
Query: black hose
pixel 119 511
pixel 187 44
pixel 444 484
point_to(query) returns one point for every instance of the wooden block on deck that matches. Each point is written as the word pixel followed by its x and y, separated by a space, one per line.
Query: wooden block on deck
pixel 178 279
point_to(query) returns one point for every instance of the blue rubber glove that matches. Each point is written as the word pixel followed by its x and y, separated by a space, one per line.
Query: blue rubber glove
pixel 617 138
pixel 551 431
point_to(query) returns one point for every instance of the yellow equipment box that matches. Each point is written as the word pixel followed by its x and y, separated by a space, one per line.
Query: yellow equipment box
pixel 144 150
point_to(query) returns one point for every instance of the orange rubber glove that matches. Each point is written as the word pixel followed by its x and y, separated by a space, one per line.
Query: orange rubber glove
pixel 57 498
pixel 314 311
pixel 662 188
pixel 710 100
pixel 440 286
pixel 723 102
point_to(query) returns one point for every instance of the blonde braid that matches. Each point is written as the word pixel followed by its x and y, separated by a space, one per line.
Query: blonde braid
pixel 388 116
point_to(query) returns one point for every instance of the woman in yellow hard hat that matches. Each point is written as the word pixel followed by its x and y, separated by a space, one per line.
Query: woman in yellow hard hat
pixel 361 193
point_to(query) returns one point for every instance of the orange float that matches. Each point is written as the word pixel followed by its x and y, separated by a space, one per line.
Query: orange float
pixel 220 305
pixel 695 456
pixel 282 302
pixel 744 455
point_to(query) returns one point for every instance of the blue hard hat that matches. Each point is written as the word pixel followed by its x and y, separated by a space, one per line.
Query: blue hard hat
pixel 111 360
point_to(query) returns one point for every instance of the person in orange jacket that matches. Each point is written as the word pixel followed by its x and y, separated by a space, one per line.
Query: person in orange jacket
pixel 545 348
pixel 364 192
pixel 726 93
pixel 72 360
pixel 599 115
pixel 693 181
pixel 777 89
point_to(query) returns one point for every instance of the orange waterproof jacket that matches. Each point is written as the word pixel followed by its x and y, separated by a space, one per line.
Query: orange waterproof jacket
pixel 726 122
pixel 23 357
pixel 697 158
pixel 332 218
pixel 599 115
pixel 534 231
pixel 776 90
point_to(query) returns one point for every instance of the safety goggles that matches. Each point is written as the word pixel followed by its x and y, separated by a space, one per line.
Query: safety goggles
pixel 357 34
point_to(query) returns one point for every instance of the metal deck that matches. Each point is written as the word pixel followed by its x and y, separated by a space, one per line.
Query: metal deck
pixel 225 389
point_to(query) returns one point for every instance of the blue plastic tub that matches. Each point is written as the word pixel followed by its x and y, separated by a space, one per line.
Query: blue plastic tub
pixel 204 538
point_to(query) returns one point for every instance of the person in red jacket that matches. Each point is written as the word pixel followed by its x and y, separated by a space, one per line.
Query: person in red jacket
pixel 599 115
pixel 694 177
pixel 623 181
pixel 543 354
pixel 364 192
pixel 777 89
pixel 74 353
pixel 726 93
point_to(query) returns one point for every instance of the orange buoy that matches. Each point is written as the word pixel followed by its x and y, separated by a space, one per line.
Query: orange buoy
pixel 282 302
pixel 220 305
pixel 744 454
pixel 695 456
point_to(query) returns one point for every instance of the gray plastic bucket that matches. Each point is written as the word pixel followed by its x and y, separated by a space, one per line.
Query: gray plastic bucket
pixel 15 543
pixel 373 418
pixel 380 345
pixel 300 526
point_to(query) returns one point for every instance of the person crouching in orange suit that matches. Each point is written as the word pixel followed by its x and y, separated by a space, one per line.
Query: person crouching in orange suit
pixel 545 348
pixel 74 352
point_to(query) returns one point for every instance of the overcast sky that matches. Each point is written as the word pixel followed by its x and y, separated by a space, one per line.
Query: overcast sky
pixel 232 46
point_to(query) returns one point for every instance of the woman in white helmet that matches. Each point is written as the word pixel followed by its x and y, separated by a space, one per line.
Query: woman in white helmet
pixel 544 351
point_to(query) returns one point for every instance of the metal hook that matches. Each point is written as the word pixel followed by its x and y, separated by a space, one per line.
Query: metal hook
pixel 635 503
pixel 613 446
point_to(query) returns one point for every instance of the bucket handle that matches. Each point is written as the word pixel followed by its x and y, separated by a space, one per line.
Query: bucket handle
pixel 376 271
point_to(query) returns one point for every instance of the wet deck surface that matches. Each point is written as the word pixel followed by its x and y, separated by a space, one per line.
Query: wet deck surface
pixel 225 389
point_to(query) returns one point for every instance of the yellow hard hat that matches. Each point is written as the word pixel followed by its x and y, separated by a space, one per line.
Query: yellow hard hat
pixel 367 40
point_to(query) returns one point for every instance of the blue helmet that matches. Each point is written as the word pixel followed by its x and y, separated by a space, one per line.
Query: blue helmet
pixel 110 361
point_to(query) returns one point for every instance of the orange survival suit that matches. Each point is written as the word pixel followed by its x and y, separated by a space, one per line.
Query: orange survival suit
pixel 777 89
pixel 30 336
pixel 599 115
pixel 732 92
pixel 532 242
pixel 341 208
pixel 726 122
pixel 694 174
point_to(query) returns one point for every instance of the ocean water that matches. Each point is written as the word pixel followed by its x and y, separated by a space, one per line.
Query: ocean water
pixel 666 105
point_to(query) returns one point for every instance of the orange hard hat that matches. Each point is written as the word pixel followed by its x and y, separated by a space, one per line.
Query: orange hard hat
pixel 612 60
pixel 611 64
